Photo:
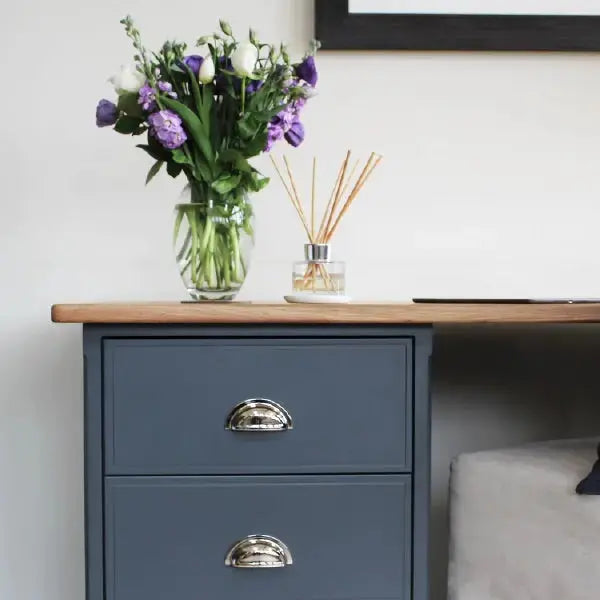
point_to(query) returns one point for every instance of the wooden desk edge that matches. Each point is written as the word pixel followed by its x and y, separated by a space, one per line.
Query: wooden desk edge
pixel 279 313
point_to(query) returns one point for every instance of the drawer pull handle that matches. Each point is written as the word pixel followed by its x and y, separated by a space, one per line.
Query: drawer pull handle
pixel 259 414
pixel 259 552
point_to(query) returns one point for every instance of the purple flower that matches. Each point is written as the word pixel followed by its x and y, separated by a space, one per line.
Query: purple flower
pixel 147 97
pixel 307 70
pixel 254 86
pixel 274 134
pixel 194 62
pixel 298 105
pixel 107 113
pixel 295 135
pixel 166 126
pixel 166 88
pixel 285 118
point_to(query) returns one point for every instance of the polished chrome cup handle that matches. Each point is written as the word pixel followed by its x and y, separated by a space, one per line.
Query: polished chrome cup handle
pixel 258 552
pixel 259 414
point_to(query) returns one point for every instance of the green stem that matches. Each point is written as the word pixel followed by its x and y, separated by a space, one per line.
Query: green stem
pixel 243 95
pixel 192 221
pixel 210 226
pixel 235 253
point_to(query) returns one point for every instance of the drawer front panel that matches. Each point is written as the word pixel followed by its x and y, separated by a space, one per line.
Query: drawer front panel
pixel 167 402
pixel 348 537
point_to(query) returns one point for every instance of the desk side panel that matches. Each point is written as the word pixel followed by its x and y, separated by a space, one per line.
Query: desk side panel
pixel 94 484
pixel 422 464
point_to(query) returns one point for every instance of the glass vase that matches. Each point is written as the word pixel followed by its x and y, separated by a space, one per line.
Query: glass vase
pixel 213 242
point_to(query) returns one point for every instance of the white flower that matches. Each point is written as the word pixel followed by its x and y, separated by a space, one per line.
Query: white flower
pixel 244 59
pixel 207 70
pixel 128 79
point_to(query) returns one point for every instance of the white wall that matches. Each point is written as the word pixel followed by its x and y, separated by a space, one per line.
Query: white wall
pixel 489 187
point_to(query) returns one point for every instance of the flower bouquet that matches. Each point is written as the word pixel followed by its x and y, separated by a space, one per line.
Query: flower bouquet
pixel 205 116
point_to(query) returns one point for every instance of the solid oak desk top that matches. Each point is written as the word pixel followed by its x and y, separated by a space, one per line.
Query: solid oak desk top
pixel 353 313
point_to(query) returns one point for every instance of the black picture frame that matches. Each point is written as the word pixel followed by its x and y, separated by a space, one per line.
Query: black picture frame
pixel 338 29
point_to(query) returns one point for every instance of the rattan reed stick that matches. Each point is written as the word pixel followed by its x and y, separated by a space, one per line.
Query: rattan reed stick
pixel 297 196
pixel 338 193
pixel 292 198
pixel 322 230
pixel 313 195
pixel 356 190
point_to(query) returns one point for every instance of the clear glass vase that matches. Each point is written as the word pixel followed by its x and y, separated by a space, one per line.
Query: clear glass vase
pixel 213 242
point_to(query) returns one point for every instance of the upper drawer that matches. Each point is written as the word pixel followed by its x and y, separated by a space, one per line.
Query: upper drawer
pixel 167 403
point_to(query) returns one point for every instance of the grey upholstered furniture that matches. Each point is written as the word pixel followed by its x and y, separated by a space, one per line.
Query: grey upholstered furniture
pixel 518 529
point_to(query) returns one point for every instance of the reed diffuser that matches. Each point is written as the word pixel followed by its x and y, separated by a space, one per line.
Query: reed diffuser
pixel 319 277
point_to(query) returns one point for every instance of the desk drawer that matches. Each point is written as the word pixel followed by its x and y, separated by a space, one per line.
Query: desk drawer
pixel 348 401
pixel 348 537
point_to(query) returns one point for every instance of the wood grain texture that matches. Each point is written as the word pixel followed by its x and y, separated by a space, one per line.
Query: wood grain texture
pixel 240 312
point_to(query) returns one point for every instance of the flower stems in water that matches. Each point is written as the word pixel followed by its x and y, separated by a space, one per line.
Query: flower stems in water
pixel 210 255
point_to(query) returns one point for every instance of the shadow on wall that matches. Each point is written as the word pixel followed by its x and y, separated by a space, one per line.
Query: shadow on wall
pixel 495 387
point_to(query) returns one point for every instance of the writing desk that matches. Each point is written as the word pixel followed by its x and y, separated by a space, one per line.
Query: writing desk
pixel 264 450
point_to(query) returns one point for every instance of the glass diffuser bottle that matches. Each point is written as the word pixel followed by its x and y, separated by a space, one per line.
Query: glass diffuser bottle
pixel 318 274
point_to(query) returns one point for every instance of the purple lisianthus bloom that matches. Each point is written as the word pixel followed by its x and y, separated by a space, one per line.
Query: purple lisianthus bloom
pixel 295 134
pixel 107 113
pixel 254 86
pixel 194 62
pixel 307 70
pixel 147 97
pixel 166 126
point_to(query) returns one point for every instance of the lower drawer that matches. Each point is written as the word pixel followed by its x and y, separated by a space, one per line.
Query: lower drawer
pixel 339 537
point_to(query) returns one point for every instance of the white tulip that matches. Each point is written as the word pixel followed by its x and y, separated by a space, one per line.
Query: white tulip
pixel 244 59
pixel 128 79
pixel 207 70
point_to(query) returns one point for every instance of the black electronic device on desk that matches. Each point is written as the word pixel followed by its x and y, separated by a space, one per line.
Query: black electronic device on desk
pixel 506 300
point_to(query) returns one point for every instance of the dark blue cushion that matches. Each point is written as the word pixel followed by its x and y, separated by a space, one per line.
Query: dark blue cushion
pixel 591 484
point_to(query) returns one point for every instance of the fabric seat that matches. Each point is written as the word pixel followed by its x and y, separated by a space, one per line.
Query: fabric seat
pixel 518 530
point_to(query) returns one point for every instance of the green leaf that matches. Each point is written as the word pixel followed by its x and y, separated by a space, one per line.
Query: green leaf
pixel 225 183
pixel 154 169
pixel 193 125
pixel 207 104
pixel 256 146
pixel 173 169
pixel 195 87
pixel 259 184
pixel 179 156
pixel 129 125
pixel 255 181
pixel 235 158
pixel 267 115
pixel 247 129
pixel 128 103
pixel 201 170
pixel 156 152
